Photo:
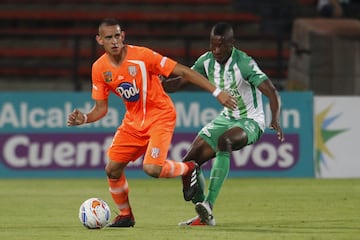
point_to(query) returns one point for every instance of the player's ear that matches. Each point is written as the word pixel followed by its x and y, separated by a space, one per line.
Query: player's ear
pixel 122 34
pixel 99 40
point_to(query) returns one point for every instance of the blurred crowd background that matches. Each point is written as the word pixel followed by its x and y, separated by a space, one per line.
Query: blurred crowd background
pixel 300 44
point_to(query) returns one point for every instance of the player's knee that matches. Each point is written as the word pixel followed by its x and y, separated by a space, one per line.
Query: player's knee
pixel 112 173
pixel 224 144
pixel 152 170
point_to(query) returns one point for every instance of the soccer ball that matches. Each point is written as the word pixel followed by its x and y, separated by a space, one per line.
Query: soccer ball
pixel 94 213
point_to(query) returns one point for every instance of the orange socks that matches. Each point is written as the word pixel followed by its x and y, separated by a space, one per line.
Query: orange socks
pixel 119 191
pixel 119 188
pixel 173 169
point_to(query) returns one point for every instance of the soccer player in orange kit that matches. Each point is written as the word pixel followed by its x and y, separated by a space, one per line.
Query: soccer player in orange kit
pixel 132 73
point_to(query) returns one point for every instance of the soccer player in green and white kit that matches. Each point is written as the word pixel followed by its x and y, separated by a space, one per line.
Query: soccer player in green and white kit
pixel 233 71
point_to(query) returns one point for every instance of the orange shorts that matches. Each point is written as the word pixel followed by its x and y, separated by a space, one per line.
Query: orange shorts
pixel 130 145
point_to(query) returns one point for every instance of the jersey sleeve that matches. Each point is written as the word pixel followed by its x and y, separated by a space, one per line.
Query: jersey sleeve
pixel 254 74
pixel 159 64
pixel 100 91
pixel 199 66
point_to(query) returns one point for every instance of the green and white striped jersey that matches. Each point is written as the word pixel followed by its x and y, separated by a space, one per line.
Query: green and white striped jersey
pixel 239 77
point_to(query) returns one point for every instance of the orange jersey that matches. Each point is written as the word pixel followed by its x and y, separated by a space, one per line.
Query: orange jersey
pixel 136 81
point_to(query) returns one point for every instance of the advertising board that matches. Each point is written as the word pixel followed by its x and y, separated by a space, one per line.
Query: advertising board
pixel 35 141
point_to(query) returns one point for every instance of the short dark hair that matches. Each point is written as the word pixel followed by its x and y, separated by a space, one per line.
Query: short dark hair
pixel 221 29
pixel 109 22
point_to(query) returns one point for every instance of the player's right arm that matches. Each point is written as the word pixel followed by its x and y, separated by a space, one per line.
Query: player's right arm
pixel 98 111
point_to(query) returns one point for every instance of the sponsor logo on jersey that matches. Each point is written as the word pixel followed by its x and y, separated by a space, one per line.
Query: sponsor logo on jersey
pixel 129 91
pixel 155 152
pixel 205 129
pixel 107 76
pixel 249 126
pixel 233 92
pixel 132 70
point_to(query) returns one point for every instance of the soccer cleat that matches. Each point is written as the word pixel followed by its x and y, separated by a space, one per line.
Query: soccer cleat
pixel 189 180
pixel 197 222
pixel 123 221
pixel 204 211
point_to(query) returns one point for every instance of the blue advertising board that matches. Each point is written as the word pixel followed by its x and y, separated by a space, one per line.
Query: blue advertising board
pixel 35 141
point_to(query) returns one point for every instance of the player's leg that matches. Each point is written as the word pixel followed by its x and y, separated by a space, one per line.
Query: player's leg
pixel 200 152
pixel 240 133
pixel 219 135
pixel 221 165
pixel 156 163
pixel 199 195
pixel 119 190
pixel 218 174
pixel 120 154
pixel 208 148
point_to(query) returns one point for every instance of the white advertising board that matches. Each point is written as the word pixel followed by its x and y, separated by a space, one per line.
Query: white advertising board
pixel 336 132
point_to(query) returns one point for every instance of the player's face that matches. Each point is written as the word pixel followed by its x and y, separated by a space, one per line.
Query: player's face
pixel 221 48
pixel 111 38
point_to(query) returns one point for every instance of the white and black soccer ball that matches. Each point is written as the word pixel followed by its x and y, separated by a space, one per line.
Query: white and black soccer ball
pixel 94 213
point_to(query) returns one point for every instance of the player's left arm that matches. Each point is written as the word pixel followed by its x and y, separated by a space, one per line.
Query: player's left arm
pixel 269 90
pixel 173 84
pixel 196 78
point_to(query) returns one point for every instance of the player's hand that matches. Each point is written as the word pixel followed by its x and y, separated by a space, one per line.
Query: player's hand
pixel 171 85
pixel 226 100
pixel 76 117
pixel 275 125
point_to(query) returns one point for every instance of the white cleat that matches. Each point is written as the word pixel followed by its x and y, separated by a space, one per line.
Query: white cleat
pixel 195 221
pixel 204 211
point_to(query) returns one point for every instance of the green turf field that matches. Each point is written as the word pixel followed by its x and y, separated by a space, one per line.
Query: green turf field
pixel 40 209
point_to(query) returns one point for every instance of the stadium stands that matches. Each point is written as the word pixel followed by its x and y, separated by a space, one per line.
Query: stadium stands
pixel 43 41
